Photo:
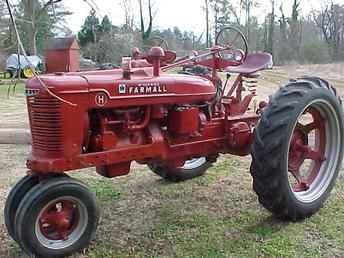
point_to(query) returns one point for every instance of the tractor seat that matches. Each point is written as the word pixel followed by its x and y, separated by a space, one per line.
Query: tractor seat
pixel 253 63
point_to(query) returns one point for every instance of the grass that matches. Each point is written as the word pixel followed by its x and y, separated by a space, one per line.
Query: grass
pixel 20 87
pixel 249 232
pixel 103 189
pixel 13 107
pixel 213 217
pixel 216 215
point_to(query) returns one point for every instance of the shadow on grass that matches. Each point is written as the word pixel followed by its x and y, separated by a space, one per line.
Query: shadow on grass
pixel 269 225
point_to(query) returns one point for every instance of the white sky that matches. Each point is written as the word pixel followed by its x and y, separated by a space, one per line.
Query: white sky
pixel 186 14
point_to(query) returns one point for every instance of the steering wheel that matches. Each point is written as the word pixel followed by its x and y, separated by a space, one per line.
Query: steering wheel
pixel 235 39
pixel 168 58
pixel 156 42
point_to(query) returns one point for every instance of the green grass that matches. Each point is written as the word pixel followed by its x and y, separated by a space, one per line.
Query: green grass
pixel 103 188
pixel 19 90
pixel 212 216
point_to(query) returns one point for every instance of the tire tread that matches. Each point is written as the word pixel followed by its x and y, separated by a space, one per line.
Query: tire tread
pixel 267 147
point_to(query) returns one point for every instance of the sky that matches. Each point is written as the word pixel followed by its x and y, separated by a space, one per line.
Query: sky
pixel 186 14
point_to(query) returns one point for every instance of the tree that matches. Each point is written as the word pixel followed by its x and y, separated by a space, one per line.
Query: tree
pixel 283 25
pixel 89 29
pixel 226 12
pixel 146 32
pixel 215 5
pixel 207 32
pixel 223 12
pixel 6 39
pixel 271 30
pixel 295 30
pixel 127 7
pixel 4 25
pixel 290 34
pixel 247 5
pixel 106 25
pixel 284 47
pixel 331 22
pixel 92 30
pixel 178 35
pixel 3 19
pixel 224 17
pixel 102 41
pixel 37 20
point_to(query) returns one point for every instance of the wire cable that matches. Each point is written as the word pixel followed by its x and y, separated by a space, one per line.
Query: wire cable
pixel 27 59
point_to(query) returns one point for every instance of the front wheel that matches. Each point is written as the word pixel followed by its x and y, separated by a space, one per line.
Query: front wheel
pixel 56 218
pixel 298 148
pixel 192 168
pixel 13 200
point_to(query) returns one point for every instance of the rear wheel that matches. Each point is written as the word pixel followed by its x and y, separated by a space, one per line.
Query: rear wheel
pixel 192 168
pixel 298 148
pixel 56 218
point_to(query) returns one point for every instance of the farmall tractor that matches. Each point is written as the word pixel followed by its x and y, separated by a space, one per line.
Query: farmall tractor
pixel 177 124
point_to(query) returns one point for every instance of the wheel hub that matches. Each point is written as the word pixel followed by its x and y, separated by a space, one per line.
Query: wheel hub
pixel 59 220
pixel 300 150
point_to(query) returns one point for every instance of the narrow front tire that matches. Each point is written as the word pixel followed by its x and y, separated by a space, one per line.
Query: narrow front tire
pixel 56 218
pixel 13 200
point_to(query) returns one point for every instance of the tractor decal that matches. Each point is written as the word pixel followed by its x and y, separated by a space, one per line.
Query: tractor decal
pixel 101 99
pixel 142 88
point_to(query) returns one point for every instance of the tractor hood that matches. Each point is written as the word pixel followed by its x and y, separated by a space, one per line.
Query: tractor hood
pixel 108 88
pixel 59 83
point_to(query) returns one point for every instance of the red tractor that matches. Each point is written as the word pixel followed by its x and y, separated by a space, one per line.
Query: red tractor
pixel 177 124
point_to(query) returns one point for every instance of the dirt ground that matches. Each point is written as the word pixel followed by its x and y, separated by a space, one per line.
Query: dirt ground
pixel 217 215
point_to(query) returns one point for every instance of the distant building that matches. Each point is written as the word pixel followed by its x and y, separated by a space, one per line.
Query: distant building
pixel 62 55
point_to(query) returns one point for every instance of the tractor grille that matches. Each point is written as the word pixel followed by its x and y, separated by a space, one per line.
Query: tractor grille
pixel 46 124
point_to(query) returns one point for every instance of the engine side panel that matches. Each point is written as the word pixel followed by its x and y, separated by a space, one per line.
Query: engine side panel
pixel 61 130
pixel 166 89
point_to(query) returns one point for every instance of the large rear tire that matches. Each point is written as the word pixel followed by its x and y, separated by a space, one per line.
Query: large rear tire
pixel 298 148
pixel 191 169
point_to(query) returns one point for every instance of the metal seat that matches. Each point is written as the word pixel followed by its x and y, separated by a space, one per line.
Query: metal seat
pixel 254 62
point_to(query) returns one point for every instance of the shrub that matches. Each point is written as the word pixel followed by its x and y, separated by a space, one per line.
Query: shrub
pixel 315 53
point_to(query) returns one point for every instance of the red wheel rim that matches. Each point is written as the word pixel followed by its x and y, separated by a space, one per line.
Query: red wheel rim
pixel 59 219
pixel 300 149
pixel 61 222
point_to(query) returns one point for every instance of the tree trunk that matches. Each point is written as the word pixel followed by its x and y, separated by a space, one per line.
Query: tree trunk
pixel 29 26
pixel 248 20
pixel 216 18
pixel 295 30
pixel 207 23
pixel 271 29
pixel 146 33
pixel 141 18
pixel 266 34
